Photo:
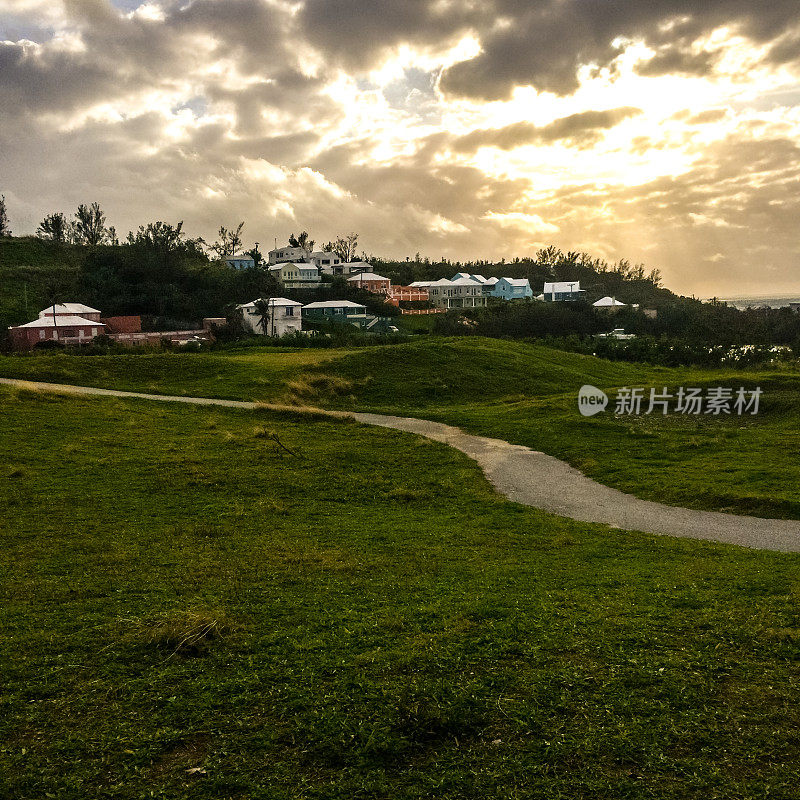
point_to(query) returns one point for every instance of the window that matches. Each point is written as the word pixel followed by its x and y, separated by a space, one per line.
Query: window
pixel 289 311
pixel 41 333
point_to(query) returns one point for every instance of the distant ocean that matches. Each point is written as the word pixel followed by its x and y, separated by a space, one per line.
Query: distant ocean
pixel 755 302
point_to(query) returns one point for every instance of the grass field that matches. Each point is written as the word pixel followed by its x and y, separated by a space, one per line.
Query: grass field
pixel 189 611
pixel 514 391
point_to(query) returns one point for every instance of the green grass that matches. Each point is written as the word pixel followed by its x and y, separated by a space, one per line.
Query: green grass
pixel 27 267
pixel 364 620
pixel 514 391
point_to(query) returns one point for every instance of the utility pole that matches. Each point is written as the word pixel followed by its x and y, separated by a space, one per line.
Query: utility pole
pixel 25 298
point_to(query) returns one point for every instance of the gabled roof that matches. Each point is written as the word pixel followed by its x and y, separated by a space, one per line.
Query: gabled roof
pixel 492 281
pixel 463 282
pixel 335 304
pixel 62 321
pixel 367 276
pixel 69 308
pixel 272 301
pixel 607 302
pixel 516 281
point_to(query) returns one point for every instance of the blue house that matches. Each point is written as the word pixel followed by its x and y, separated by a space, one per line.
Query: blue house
pixel 512 289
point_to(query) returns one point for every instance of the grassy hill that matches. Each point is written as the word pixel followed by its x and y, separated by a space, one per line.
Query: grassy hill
pixel 189 612
pixel 519 392
pixel 27 267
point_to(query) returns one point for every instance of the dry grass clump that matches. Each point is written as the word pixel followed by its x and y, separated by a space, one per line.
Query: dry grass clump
pixel 188 632
pixel 320 385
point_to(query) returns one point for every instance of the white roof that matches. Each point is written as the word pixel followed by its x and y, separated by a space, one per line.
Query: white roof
pixel 61 322
pixel 463 282
pixel 272 301
pixel 461 275
pixel 367 276
pixel 335 304
pixel 492 281
pixel 478 278
pixel 608 301
pixel 242 257
pixel 422 284
pixel 517 281
pixel 559 287
pixel 69 308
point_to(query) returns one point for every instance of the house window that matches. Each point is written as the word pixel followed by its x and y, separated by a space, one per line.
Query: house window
pixel 41 333
pixel 289 311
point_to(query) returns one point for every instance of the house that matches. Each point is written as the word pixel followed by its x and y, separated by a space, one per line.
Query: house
pixel 512 289
pixel 283 316
pixel 64 328
pixel 296 275
pixel 288 253
pixel 400 294
pixel 376 284
pixel 240 262
pixel 609 304
pixel 461 293
pixel 342 311
pixel 327 262
pixel 71 310
pixel 561 291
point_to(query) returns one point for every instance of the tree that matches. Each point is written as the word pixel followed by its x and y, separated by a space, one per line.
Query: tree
pixel 55 297
pixel 255 254
pixel 229 242
pixel 90 225
pixel 54 227
pixel 344 247
pixel 301 240
pixel 266 315
pixel 4 229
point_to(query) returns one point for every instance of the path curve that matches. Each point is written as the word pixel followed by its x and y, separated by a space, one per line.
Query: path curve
pixel 535 479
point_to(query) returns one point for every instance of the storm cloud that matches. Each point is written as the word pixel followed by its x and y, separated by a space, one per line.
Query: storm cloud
pixel 665 132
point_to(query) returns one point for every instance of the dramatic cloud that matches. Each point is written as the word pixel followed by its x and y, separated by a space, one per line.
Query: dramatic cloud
pixel 662 131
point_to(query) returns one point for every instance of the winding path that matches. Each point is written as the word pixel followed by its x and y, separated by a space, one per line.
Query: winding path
pixel 536 479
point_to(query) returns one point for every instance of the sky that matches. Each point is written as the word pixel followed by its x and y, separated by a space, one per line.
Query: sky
pixel 666 132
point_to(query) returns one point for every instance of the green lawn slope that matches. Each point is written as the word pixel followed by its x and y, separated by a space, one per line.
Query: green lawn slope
pixel 188 610
pixel 515 391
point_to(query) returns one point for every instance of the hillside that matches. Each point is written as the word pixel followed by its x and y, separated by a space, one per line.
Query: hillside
pixel 519 392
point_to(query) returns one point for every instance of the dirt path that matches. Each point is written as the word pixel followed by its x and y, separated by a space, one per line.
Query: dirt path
pixel 536 479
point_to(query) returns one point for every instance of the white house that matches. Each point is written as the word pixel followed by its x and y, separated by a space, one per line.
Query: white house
pixel 610 303
pixel 461 293
pixel 327 262
pixel 288 253
pixel 282 316
pixel 558 291
pixel 296 275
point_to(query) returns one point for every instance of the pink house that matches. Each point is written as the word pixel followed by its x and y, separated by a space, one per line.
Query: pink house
pixel 68 323
pixel 376 284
